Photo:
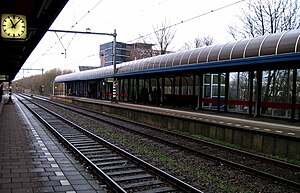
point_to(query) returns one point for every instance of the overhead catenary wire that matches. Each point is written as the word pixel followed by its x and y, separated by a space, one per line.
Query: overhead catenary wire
pixel 187 20
pixel 79 60
pixel 140 37
pixel 61 37
pixel 88 12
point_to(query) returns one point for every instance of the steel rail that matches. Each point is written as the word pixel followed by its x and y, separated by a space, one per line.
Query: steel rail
pixel 171 179
pixel 230 163
pixel 112 184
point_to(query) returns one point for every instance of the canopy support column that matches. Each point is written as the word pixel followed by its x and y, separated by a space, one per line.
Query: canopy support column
pixel 258 93
pixel 293 112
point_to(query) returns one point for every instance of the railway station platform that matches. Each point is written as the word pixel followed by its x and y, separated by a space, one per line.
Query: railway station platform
pixel 31 160
pixel 263 124
pixel 271 136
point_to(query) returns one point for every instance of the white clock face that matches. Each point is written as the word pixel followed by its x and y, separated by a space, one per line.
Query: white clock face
pixel 13 26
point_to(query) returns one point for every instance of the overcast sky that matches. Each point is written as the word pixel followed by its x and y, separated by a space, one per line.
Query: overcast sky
pixel 131 19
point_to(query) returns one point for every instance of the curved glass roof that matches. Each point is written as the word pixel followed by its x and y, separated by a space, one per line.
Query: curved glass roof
pixel 272 44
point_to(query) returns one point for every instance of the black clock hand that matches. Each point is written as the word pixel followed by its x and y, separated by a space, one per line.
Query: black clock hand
pixel 17 23
pixel 13 25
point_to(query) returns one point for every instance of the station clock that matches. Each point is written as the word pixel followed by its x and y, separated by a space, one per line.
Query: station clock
pixel 13 26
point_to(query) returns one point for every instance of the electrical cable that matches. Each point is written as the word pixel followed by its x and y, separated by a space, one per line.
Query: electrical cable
pixel 79 60
pixel 140 37
pixel 187 20
pixel 59 38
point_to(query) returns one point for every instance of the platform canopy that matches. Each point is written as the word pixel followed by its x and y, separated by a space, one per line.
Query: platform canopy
pixel 40 14
pixel 263 50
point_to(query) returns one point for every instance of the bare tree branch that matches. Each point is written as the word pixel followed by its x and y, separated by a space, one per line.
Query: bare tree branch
pixel 262 17
pixel 198 42
pixel 164 36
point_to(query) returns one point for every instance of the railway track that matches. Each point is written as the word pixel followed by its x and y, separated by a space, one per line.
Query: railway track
pixel 120 170
pixel 278 171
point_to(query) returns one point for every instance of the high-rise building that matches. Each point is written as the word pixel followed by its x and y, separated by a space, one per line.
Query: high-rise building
pixel 106 53
pixel 124 52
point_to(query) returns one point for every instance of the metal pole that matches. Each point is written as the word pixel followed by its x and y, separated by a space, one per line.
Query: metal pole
pixel 82 32
pixel 53 89
pixel 9 93
pixel 114 99
pixel 115 51
pixel 294 89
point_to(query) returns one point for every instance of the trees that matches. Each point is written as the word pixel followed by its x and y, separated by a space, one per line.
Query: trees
pixel 261 17
pixel 164 36
pixel 39 84
pixel 206 40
